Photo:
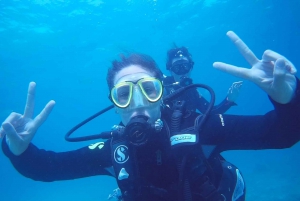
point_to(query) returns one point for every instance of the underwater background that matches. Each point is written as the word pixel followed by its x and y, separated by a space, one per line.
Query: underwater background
pixel 66 47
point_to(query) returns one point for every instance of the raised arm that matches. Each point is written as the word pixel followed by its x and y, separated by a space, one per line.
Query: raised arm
pixel 39 164
pixel 273 73
pixel 202 105
pixel 20 129
pixel 277 129
pixel 232 94
pixel 42 165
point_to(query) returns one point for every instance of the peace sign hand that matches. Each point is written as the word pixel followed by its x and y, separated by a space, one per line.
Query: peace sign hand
pixel 20 129
pixel 234 91
pixel 274 73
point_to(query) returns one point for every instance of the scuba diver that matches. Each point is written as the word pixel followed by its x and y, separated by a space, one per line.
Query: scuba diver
pixel 157 152
pixel 180 65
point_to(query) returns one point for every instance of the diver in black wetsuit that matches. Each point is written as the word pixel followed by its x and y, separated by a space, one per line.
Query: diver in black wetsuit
pixel 159 153
pixel 180 64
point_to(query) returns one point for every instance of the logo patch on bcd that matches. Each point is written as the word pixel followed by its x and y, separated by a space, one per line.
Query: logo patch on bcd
pixel 121 154
pixel 98 144
pixel 182 138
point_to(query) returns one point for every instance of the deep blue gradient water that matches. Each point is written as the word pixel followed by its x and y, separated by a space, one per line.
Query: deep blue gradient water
pixel 66 47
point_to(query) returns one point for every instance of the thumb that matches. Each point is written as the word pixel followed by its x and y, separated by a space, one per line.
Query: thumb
pixel 284 83
pixel 10 132
pixel 279 72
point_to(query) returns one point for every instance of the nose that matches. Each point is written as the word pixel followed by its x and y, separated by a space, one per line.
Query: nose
pixel 138 99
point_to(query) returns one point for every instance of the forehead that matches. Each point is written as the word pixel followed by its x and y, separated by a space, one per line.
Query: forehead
pixel 131 73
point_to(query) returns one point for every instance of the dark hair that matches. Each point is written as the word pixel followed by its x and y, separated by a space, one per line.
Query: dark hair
pixel 175 53
pixel 145 61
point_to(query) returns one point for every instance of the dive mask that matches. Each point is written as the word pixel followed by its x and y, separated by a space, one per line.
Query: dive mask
pixel 121 93
pixel 181 67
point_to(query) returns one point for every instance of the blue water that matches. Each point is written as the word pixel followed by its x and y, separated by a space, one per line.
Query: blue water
pixel 66 48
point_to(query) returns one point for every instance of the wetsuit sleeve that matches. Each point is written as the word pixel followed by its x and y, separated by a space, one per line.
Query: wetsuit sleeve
pixel 202 105
pixel 277 129
pixel 42 165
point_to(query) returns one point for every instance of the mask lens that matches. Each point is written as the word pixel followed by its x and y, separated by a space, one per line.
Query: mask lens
pixel 151 88
pixel 121 94
pixel 181 68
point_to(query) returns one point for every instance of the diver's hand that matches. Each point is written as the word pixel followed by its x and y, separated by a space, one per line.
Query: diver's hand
pixel 234 91
pixel 20 129
pixel 273 73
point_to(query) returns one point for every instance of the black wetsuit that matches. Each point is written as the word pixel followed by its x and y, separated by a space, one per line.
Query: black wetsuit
pixel 277 129
pixel 193 99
